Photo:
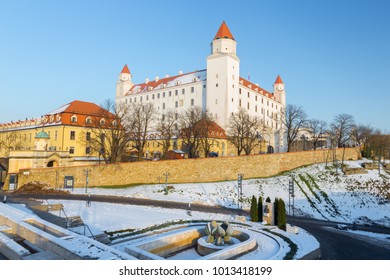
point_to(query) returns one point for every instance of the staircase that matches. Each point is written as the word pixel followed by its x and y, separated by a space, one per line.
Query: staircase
pixel 74 223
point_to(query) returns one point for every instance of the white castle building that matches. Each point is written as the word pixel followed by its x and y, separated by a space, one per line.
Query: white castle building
pixel 219 88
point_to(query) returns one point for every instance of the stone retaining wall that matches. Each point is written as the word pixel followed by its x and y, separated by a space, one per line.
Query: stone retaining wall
pixel 184 171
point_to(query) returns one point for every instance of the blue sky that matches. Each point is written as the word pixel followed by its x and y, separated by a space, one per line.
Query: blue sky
pixel 333 56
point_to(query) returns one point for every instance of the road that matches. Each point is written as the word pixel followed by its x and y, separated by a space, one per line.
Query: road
pixel 335 244
pixel 341 245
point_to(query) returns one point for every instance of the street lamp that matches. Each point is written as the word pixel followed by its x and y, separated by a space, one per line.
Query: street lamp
pixel 86 173
pixel 166 174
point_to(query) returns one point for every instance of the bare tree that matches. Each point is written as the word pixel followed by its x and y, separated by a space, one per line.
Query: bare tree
pixel 12 141
pixel 294 120
pixel 167 129
pixel 243 131
pixel 317 129
pixel 205 127
pixel 106 133
pixel 189 130
pixel 140 121
pixel 341 129
pixel 361 133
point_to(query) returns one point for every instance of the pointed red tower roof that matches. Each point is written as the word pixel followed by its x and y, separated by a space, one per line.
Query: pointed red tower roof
pixel 224 32
pixel 125 70
pixel 278 80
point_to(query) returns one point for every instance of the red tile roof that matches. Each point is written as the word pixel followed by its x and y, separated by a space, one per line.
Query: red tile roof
pixel 253 86
pixel 278 80
pixel 125 70
pixel 224 32
pixel 154 84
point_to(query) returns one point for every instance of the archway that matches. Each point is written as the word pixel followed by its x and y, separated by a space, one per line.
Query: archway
pixel 52 163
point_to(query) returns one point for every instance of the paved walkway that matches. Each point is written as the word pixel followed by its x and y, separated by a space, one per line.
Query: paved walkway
pixel 31 198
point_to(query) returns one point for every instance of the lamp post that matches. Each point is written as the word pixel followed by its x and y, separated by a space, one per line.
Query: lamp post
pixel 166 174
pixel 86 173
pixel 239 189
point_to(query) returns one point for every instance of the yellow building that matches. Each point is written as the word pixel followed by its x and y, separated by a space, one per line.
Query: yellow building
pixel 58 138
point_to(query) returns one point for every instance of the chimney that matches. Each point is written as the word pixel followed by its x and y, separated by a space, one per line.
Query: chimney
pixel 156 79
pixel 146 80
pixel 180 72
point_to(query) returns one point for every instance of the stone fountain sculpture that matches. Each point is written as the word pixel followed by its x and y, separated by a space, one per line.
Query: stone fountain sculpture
pixel 219 234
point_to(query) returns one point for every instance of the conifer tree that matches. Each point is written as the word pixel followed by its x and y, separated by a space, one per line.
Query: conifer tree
pixel 276 213
pixel 282 219
pixel 253 210
pixel 260 209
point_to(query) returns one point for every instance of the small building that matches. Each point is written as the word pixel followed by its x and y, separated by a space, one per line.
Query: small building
pixel 176 154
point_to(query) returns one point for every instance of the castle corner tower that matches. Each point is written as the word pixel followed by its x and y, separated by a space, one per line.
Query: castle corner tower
pixel 124 83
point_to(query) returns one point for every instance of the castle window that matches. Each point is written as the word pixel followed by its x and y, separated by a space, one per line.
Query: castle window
pixel 216 85
pixel 88 136
pixel 158 95
pixel 147 97
pixel 192 89
pixel 247 106
pixel 192 102
pixel 239 102
pixel 140 99
pixel 87 150
pixel 232 100
pixel 163 106
pixel 71 150
pixel 181 103
pixel 176 104
pixel 256 97
pixel 152 96
pixel 135 99
pixel 248 94
pixel 170 93
pixel 183 91
pixel 72 135
pixel 163 94
pixel 176 92
pixel 73 118
pixel 239 91
pixel 256 108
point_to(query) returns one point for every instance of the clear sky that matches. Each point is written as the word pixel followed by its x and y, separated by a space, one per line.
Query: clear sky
pixel 333 55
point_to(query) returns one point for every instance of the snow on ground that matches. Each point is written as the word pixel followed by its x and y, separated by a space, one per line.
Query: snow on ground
pixel 320 192
pixel 113 217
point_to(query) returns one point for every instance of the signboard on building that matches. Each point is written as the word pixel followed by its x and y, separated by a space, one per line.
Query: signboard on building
pixel 69 182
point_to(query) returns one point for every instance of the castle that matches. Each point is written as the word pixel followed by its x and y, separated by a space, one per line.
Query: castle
pixel 219 88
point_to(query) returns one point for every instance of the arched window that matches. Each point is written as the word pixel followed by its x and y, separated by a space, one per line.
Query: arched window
pixel 73 118
pixel 102 121
pixel 88 120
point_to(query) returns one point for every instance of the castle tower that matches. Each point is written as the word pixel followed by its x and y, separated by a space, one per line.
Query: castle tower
pixel 279 91
pixel 223 73
pixel 124 83
pixel 280 136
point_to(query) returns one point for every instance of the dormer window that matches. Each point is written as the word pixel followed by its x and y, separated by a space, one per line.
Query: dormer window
pixel 73 118
pixel 114 123
pixel 88 120
pixel 102 121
